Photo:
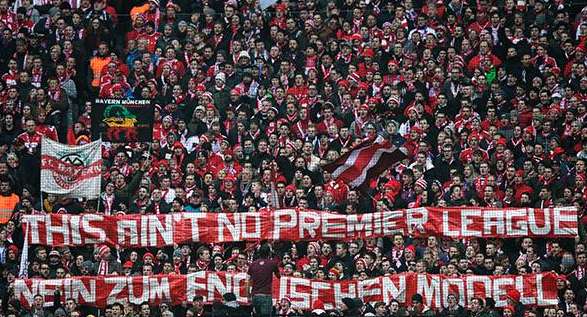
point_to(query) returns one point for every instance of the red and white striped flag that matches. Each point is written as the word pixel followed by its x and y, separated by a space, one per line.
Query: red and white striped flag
pixel 366 160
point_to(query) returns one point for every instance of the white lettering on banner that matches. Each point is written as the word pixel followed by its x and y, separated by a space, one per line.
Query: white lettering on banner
pixel 377 222
pixel 448 288
pixel 159 290
pixel 21 290
pixel 215 284
pixel 393 291
pixel 520 287
pixel 311 226
pixel 119 285
pixel 53 229
pixel 144 229
pixel 360 224
pixel 389 223
pixel 76 237
pixel 256 225
pixel 292 225
pixel 430 290
pixel 194 283
pixel 33 225
pixel 95 235
pixel 493 219
pixel 141 297
pixel 76 289
pixel 513 227
pixel 127 229
pixel 98 291
pixel 369 288
pixel 562 215
pixel 472 281
pixel 238 280
pixel 534 228
pixel 156 227
pixel 500 287
pixel 233 227
pixel 540 300
pixel 283 287
pixel 278 224
pixel 195 228
pixel 49 286
pixel 446 225
pixel 73 288
pixel 339 293
pixel 299 298
pixel 417 222
pixel 466 220
pixel 317 288
pixel 333 226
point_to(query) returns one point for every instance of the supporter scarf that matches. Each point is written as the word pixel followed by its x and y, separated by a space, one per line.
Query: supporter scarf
pixel 108 202
pixel 357 23
pixel 360 123
pixel 345 143
pixel 103 267
pixel 36 74
pixel 202 265
pixel 62 78
pixel 54 93
pixel 292 117
pixel 322 149
pixel 326 72
pixel 397 255
pixel 580 272
pixel 345 58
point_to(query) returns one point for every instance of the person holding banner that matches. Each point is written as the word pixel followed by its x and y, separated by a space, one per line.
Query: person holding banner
pixel 261 272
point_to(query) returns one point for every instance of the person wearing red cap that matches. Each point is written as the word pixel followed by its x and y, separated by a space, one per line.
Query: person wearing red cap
pixel 289 199
pixel 334 274
pixel 509 311
pixel 513 300
pixel 127 268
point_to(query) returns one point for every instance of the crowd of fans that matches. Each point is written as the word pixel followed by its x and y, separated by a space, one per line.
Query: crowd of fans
pixel 489 97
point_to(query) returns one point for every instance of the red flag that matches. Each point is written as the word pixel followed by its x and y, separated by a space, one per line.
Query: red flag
pixel 365 161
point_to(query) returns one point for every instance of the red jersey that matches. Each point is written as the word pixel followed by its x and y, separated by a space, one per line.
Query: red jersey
pixel 48 131
pixel 31 141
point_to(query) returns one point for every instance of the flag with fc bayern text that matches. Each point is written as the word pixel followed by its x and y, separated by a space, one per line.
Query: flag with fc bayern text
pixel 72 171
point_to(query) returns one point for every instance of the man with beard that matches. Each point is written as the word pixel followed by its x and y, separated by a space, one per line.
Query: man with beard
pixel 97 63
pixel 8 199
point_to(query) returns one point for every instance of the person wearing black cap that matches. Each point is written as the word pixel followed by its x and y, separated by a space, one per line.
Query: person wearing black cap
pixel 351 306
pixel 230 307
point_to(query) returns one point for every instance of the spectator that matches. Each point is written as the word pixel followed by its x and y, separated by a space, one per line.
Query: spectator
pixel 8 199
pixel 261 273
pixel 230 307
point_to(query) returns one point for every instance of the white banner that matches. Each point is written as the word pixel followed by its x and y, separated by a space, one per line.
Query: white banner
pixel 74 171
